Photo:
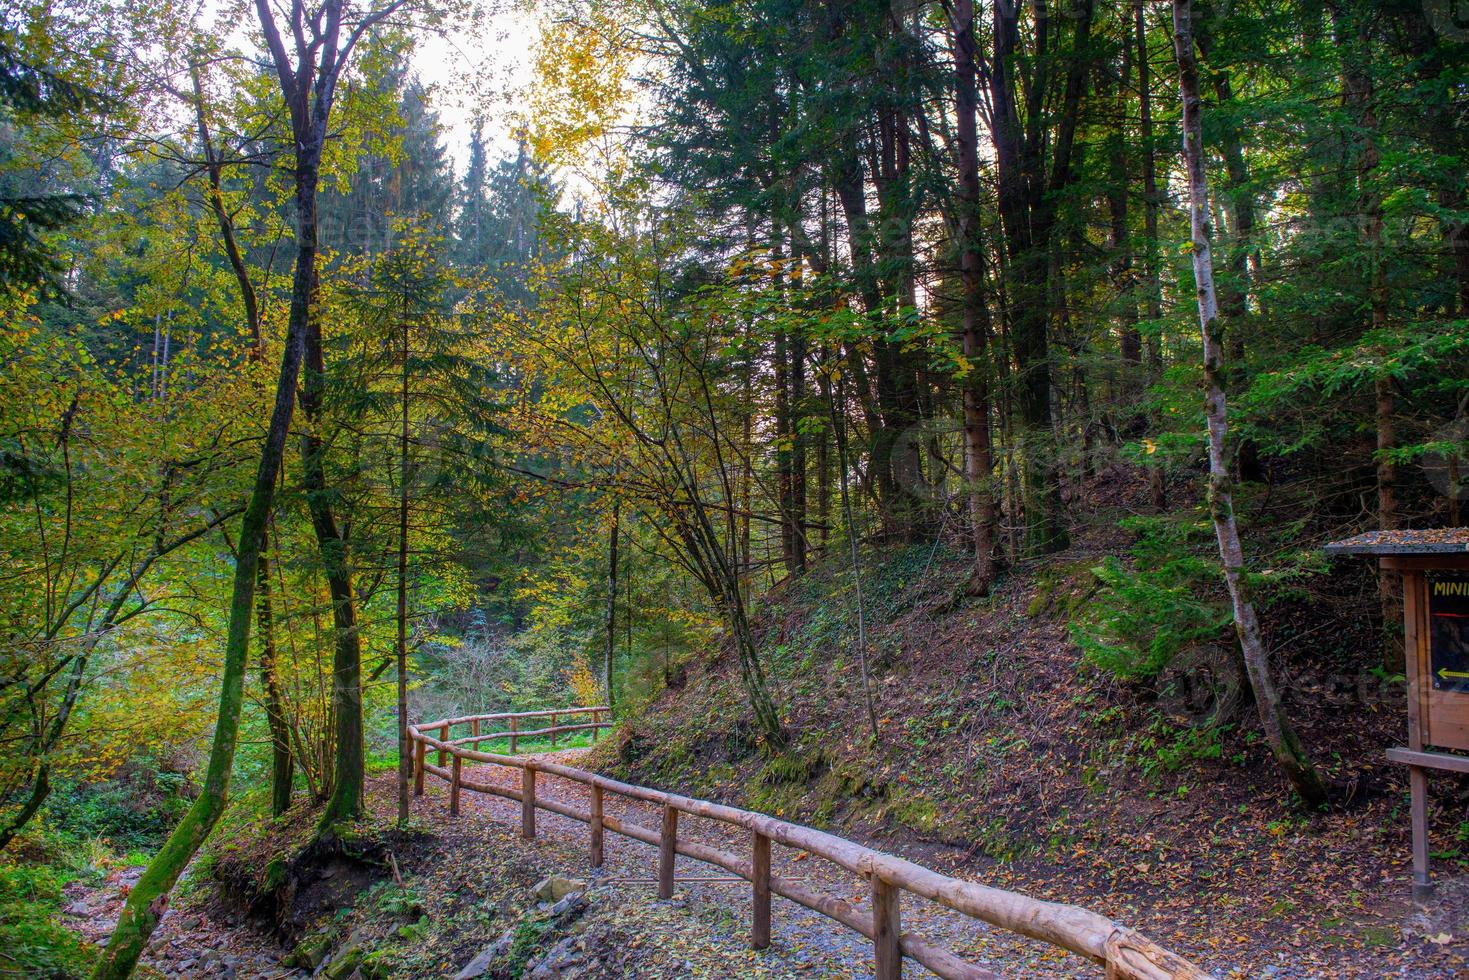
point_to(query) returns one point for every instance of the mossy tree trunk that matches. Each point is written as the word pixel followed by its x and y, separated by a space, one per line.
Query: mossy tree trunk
pixel 282 763
pixel 308 89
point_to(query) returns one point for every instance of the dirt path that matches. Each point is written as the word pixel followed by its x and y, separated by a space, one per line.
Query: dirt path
pixel 189 942
pixel 814 945
pixel 802 940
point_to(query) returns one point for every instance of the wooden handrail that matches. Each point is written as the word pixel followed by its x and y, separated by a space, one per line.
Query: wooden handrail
pixel 1126 954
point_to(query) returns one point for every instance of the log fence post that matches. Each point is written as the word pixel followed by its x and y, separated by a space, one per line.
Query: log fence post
pixel 596 725
pixel 528 803
pixel 418 750
pixel 553 729
pixel 760 877
pixel 596 825
pixel 454 786
pixel 667 851
pixel 513 725
pixel 474 731
pixel 443 737
pixel 887 927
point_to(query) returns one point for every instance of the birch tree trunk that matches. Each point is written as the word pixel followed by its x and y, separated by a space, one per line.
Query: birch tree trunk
pixel 1283 742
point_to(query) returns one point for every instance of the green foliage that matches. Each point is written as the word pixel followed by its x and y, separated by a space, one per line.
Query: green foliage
pixel 135 810
pixel 33 943
pixel 1146 614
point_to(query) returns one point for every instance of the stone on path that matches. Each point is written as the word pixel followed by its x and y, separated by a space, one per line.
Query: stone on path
pixel 557 887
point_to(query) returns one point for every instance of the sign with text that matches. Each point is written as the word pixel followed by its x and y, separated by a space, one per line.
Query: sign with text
pixel 1448 631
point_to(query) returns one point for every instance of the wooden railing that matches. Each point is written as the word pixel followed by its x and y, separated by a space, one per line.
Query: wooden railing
pixel 1126 955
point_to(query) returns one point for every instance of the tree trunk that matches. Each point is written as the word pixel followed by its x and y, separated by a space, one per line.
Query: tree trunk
pixel 405 744
pixel 282 763
pixel 978 460
pixel 1153 291
pixel 348 760
pixel 1359 96
pixel 1283 742
pixel 611 647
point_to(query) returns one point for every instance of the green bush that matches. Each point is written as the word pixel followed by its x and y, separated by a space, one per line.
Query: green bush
pixel 1146 614
pixel 32 941
pixel 134 811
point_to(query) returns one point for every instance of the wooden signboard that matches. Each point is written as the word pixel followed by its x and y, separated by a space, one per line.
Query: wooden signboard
pixel 1436 609
pixel 1448 631
pixel 1435 572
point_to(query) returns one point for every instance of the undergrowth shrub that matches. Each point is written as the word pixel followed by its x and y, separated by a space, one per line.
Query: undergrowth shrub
pixel 135 810
pixel 33 943
pixel 1166 601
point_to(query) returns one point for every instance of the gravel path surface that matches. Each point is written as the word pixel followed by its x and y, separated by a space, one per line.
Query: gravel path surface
pixel 800 938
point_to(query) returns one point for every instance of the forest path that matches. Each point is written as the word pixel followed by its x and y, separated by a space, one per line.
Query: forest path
pixel 802 941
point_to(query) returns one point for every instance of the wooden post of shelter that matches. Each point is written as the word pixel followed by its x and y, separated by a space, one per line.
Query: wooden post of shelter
pixel 1434 567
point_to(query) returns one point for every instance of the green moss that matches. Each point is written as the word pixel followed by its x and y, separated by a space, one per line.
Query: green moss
pixel 1062 589
pixel 913 811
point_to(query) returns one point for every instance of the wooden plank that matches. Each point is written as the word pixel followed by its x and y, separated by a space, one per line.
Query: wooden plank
pixel 760 872
pixel 528 803
pixel 597 835
pixel 1416 663
pixel 667 845
pixel 454 776
pixel 1430 760
pixel 887 928
pixel 1420 563
pixel 418 750
pixel 501 716
pixel 519 734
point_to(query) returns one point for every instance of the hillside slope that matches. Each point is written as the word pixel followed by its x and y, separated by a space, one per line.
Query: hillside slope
pixel 1004 755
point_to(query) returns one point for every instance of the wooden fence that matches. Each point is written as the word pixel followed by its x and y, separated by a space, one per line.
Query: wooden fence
pixel 1126 955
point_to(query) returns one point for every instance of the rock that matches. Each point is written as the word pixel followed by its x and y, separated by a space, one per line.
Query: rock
pixel 562 957
pixel 344 963
pixel 480 965
pixel 310 951
pixel 557 887
pixel 569 907
pixel 78 907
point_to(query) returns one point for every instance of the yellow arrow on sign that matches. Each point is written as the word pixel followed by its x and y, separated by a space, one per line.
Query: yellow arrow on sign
pixel 1444 673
